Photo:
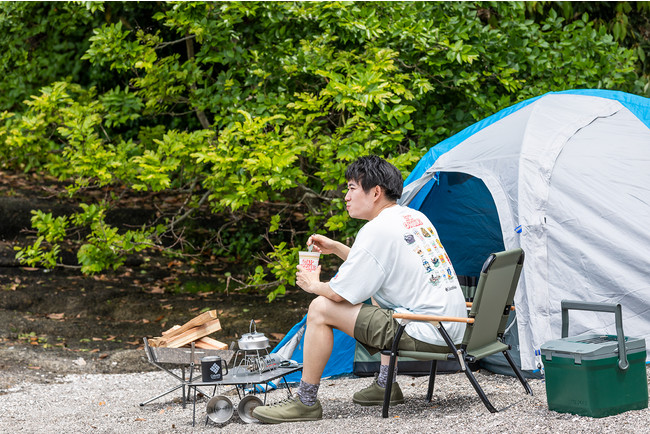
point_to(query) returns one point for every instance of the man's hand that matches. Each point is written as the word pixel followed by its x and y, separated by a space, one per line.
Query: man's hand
pixel 307 280
pixel 326 246
pixel 310 282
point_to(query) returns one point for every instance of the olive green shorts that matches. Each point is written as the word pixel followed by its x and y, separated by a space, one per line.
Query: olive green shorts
pixel 375 329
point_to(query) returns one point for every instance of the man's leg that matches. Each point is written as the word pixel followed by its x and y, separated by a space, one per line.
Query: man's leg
pixel 323 316
pixel 377 329
pixel 382 378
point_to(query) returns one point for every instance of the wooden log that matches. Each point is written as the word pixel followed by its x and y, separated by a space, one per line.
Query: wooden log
pixel 194 322
pixel 207 343
pixel 173 329
pixel 191 335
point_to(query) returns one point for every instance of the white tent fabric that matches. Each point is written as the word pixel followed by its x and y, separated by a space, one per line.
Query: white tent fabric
pixel 569 174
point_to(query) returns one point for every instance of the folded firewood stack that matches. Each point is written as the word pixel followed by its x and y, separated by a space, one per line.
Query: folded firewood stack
pixel 195 330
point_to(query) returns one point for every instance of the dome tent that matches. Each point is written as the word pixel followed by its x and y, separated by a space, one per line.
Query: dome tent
pixel 566 177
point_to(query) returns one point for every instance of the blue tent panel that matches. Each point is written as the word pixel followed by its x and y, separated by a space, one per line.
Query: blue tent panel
pixel 458 197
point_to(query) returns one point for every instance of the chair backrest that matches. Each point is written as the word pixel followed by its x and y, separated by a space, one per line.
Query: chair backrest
pixel 493 299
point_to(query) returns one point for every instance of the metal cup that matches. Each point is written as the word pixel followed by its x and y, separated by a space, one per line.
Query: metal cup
pixel 213 369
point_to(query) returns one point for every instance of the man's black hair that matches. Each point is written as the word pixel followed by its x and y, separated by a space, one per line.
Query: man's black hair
pixel 372 170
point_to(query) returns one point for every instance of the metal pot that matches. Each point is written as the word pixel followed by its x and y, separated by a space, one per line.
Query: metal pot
pixel 253 340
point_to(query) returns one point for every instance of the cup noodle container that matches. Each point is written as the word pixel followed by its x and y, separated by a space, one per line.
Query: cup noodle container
pixel 309 260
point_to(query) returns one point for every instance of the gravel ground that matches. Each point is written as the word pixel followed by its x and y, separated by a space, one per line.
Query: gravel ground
pixel 109 403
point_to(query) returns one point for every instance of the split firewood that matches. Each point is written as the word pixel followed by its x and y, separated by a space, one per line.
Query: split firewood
pixel 166 332
pixel 194 322
pixel 194 330
pixel 190 335
pixel 206 343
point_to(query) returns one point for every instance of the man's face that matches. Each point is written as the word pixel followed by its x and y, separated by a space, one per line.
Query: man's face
pixel 360 205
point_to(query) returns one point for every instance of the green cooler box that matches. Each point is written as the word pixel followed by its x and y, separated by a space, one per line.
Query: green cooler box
pixel 595 375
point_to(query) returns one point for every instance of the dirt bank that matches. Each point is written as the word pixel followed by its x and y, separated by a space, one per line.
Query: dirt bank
pixel 60 322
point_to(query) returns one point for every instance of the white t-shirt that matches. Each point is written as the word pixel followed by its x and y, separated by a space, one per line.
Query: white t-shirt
pixel 397 259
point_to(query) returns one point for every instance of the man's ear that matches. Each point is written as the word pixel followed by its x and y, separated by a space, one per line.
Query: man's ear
pixel 377 192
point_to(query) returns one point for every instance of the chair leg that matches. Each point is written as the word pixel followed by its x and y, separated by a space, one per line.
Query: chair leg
pixel 479 391
pixel 391 370
pixel 460 357
pixel 518 373
pixel 389 385
pixel 432 379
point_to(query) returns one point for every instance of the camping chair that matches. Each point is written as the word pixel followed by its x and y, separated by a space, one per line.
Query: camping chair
pixel 486 323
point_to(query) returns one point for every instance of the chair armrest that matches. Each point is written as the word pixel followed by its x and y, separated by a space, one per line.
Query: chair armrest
pixel 469 304
pixel 435 318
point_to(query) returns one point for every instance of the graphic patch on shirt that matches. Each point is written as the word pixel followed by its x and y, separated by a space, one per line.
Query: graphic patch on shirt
pixel 411 222
pixel 424 243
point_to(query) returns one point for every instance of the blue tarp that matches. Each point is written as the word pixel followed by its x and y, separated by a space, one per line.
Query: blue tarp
pixel 340 361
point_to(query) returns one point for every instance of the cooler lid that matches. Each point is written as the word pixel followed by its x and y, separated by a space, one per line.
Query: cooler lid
pixel 589 347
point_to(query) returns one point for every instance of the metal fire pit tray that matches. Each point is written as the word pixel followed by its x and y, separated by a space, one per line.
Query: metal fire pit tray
pixel 167 359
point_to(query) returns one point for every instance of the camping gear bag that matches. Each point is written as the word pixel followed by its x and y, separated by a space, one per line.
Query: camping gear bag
pixel 595 375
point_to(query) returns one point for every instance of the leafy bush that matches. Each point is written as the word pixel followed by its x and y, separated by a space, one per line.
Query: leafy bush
pixel 235 107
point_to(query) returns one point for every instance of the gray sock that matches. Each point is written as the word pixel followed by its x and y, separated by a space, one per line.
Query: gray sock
pixel 383 375
pixel 307 393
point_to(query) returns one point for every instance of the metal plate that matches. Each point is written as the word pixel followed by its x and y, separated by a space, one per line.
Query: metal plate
pixel 220 409
pixel 246 406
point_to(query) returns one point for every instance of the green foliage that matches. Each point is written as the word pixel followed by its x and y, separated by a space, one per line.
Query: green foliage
pixel 252 110
pixel 102 248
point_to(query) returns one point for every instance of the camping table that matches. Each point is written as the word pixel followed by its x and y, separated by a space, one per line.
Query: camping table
pixel 240 378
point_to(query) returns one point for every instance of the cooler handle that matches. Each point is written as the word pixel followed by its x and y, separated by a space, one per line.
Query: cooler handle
pixel 599 307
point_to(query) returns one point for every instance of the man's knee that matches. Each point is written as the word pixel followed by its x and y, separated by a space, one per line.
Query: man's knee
pixel 322 310
pixel 318 308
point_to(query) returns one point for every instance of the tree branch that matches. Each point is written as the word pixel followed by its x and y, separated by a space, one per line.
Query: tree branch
pixel 190 211
pixel 200 114
pixel 166 44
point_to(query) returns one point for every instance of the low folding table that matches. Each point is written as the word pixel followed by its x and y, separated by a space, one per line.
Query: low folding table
pixel 244 380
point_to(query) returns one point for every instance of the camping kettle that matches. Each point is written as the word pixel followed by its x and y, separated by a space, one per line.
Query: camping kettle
pixel 253 340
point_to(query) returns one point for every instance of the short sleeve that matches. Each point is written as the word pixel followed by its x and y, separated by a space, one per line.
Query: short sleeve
pixel 359 277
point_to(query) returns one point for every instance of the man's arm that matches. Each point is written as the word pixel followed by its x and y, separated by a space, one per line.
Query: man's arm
pixel 324 289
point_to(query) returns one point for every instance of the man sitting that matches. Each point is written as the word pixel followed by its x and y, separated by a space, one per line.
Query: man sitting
pixel 398 261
